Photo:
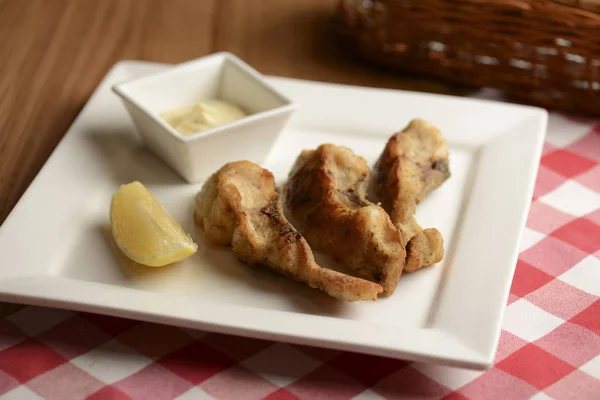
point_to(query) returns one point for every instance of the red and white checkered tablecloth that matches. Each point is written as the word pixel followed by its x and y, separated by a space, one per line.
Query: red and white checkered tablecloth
pixel 550 344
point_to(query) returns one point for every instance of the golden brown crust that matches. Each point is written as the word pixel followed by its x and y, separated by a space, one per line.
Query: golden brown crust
pixel 426 247
pixel 413 163
pixel 326 195
pixel 239 205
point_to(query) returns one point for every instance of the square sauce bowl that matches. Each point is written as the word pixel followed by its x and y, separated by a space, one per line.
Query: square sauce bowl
pixel 220 76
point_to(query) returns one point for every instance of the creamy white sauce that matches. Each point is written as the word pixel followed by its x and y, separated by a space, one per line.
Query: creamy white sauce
pixel 201 116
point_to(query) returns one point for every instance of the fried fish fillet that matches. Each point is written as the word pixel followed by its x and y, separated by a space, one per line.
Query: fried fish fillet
pixel 413 163
pixel 326 196
pixel 240 205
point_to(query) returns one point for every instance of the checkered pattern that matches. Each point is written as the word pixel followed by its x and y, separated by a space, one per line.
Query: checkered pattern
pixel 549 348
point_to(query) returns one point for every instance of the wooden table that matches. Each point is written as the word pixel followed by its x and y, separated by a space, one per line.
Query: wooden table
pixel 54 52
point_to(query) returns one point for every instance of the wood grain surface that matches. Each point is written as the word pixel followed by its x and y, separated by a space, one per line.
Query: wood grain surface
pixel 53 53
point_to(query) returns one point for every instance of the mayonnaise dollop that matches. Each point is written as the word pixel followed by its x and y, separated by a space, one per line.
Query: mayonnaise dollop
pixel 201 116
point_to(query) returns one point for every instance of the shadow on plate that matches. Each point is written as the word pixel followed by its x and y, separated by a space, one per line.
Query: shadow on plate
pixel 213 272
pixel 221 260
pixel 127 159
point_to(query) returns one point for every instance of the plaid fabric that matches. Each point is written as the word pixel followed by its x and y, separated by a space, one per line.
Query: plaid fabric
pixel 549 348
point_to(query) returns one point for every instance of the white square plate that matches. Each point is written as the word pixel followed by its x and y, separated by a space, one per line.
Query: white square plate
pixel 55 249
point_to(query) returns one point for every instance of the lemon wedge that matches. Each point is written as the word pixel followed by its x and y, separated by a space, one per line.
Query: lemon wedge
pixel 144 230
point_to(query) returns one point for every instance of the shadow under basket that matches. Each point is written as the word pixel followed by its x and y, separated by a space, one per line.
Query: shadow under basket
pixel 545 52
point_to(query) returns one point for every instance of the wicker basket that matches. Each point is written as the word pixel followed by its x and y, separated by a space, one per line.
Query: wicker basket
pixel 539 51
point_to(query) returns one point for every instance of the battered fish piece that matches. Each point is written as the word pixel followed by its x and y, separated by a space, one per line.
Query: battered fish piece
pixel 413 163
pixel 326 196
pixel 240 206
